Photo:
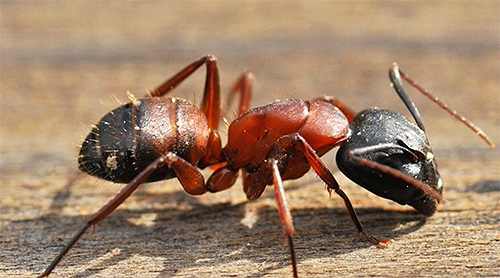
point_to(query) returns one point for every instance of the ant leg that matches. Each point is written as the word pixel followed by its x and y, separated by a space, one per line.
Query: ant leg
pixel 395 75
pixel 322 171
pixel 224 177
pixel 356 155
pixel 210 104
pixel 221 179
pixel 244 86
pixel 171 83
pixel 252 191
pixel 211 107
pixel 106 210
pixel 258 182
pixel 348 112
pixel 188 175
pixel 284 212
pixel 185 176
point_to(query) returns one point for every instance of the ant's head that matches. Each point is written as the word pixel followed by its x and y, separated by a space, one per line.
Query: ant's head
pixel 391 157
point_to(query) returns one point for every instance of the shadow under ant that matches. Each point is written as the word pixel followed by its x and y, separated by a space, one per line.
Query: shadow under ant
pixel 60 200
pixel 182 235
pixel 484 186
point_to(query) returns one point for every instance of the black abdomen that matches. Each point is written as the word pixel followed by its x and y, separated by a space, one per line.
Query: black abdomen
pixel 129 138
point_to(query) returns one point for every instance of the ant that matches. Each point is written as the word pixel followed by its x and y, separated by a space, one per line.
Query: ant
pixel 157 138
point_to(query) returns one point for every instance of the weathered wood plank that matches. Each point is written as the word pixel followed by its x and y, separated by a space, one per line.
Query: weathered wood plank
pixel 61 60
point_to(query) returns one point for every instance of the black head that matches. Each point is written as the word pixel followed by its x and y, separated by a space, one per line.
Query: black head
pixel 403 155
pixel 391 156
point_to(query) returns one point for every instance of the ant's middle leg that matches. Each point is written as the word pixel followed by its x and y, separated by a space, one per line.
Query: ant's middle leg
pixel 284 211
pixel 243 87
pixel 268 171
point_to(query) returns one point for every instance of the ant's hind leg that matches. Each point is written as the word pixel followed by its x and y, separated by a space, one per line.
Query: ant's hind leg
pixel 210 104
pixel 106 210
pixel 175 80
pixel 188 175
pixel 190 178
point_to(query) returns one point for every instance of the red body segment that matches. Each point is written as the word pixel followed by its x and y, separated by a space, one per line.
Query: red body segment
pixel 326 126
pixel 252 134
pixel 176 125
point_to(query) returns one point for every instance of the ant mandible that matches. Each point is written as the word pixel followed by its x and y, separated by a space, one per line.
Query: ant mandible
pixel 157 138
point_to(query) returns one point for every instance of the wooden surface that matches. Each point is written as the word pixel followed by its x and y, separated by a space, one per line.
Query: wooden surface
pixel 63 65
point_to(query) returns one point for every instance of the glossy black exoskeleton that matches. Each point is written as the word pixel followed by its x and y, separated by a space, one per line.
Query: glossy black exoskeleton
pixel 385 148
pixel 391 156
pixel 388 138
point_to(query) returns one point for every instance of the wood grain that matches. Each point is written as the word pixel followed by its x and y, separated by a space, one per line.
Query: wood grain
pixel 65 64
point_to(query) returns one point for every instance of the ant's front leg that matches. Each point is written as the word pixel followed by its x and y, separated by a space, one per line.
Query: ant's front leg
pixel 283 210
pixel 295 142
pixel 322 171
pixel 357 155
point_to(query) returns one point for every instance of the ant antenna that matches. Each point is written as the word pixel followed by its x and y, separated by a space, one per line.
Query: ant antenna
pixel 395 72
